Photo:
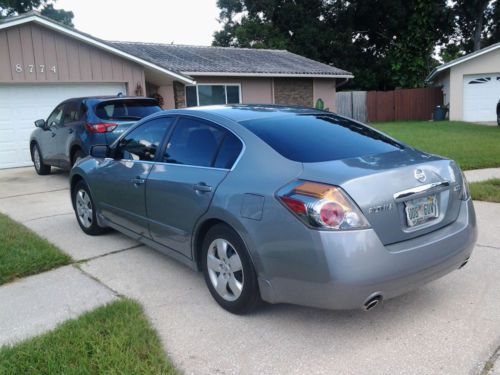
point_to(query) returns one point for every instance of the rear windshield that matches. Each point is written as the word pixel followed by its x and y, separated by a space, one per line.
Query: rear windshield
pixel 317 138
pixel 126 109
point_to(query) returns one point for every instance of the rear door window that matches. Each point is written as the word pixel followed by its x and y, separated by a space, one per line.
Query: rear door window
pixel 125 110
pixel 228 152
pixel 72 112
pixel 320 137
pixel 194 142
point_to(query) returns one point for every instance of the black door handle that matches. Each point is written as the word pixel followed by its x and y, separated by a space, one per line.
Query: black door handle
pixel 202 187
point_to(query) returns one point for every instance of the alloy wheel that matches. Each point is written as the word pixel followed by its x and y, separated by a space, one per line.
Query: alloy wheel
pixel 225 269
pixel 84 208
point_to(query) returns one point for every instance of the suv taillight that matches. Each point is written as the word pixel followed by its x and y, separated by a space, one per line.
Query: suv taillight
pixel 100 128
pixel 322 206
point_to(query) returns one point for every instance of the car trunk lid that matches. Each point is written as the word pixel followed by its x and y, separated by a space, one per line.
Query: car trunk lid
pixel 395 190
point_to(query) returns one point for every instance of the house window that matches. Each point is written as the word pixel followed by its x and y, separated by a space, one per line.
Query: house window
pixel 212 94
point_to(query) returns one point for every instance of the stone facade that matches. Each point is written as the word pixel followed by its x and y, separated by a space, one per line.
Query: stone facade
pixel 294 91
pixel 179 95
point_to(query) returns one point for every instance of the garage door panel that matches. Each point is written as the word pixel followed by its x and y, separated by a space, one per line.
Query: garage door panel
pixel 481 95
pixel 22 105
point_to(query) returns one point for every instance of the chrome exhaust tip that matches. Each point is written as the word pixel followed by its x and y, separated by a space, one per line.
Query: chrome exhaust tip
pixel 372 302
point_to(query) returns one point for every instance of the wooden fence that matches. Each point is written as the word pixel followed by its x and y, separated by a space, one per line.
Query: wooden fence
pixel 396 105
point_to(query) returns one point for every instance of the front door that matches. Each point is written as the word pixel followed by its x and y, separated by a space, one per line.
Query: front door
pixel 181 186
pixel 119 185
pixel 48 141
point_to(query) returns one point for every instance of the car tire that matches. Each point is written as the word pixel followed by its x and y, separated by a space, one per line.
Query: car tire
pixel 77 155
pixel 40 167
pixel 85 210
pixel 228 270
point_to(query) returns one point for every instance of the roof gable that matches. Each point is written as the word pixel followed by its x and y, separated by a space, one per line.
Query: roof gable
pixel 462 59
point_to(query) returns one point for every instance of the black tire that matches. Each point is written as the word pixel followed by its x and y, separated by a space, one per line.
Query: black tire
pixel 40 167
pixel 87 222
pixel 78 154
pixel 249 298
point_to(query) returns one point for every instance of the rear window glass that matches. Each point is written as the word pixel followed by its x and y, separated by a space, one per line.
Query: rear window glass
pixel 126 109
pixel 317 138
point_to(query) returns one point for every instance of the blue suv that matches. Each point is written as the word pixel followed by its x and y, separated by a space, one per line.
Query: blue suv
pixel 77 124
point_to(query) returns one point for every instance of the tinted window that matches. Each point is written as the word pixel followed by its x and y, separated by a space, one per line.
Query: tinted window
pixel 193 143
pixel 143 142
pixel 56 117
pixel 316 138
pixel 228 152
pixel 126 109
pixel 73 112
pixel 191 100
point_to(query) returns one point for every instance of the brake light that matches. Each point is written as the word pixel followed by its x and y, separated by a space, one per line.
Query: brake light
pixel 322 206
pixel 101 127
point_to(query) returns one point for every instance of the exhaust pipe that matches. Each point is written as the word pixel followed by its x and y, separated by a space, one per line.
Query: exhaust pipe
pixel 372 302
pixel 464 263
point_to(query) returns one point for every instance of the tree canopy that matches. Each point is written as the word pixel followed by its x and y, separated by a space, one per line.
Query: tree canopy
pixel 46 8
pixel 385 43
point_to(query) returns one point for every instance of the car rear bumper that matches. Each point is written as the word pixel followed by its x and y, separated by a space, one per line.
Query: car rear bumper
pixel 357 266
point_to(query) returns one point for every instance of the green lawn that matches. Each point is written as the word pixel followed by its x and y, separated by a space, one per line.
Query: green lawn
pixel 472 146
pixel 114 339
pixel 23 253
pixel 486 190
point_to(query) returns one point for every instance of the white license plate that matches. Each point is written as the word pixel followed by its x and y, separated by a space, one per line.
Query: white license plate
pixel 421 210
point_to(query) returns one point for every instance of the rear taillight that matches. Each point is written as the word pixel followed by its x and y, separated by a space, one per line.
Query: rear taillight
pixel 322 206
pixel 100 128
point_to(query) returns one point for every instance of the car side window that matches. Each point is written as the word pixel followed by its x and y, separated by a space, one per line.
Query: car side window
pixel 143 142
pixel 228 152
pixel 193 142
pixel 56 117
pixel 72 112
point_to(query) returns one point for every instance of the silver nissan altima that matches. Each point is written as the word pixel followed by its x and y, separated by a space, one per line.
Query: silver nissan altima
pixel 281 204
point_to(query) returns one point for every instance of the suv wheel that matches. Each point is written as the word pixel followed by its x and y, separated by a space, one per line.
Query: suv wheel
pixel 77 155
pixel 40 167
pixel 85 210
pixel 228 270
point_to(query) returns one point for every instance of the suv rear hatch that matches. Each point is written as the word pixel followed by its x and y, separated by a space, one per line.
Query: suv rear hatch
pixel 123 113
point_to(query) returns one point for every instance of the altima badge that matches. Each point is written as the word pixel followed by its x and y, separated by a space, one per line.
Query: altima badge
pixel 420 175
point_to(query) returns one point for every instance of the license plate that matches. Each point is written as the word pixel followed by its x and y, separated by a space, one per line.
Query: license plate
pixel 419 211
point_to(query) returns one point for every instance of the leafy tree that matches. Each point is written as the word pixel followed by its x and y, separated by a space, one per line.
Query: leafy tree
pixel 46 7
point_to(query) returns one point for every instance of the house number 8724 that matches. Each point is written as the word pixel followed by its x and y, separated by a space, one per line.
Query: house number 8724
pixel 32 68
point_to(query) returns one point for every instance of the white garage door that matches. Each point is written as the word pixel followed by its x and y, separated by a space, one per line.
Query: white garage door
pixel 481 95
pixel 21 105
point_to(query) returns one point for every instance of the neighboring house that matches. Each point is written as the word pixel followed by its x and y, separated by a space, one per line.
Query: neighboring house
pixel 43 62
pixel 471 85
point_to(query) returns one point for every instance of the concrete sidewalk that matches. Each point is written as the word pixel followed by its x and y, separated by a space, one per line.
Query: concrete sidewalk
pixel 451 326
pixel 478 175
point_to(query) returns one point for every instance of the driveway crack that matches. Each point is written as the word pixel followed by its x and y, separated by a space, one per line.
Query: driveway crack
pixel 35 193
pixel 107 254
pixel 490 363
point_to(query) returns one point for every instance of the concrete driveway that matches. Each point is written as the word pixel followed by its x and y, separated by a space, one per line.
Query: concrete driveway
pixel 451 326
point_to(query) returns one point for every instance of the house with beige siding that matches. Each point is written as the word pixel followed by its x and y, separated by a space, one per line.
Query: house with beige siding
pixel 43 63
pixel 471 85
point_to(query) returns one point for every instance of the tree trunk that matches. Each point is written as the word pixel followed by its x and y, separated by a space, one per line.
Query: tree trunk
pixel 478 27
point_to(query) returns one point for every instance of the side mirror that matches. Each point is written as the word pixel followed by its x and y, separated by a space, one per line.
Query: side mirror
pixel 41 124
pixel 100 151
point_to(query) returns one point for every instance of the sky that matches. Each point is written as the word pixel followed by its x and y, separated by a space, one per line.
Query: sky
pixel 161 21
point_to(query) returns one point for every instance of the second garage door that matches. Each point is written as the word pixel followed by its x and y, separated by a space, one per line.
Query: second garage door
pixel 21 105
pixel 481 95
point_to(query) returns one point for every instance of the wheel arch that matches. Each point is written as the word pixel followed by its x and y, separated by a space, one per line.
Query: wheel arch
pixel 76 178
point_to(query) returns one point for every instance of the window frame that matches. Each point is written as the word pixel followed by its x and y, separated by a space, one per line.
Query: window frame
pixel 209 123
pixel 161 147
pixel 61 123
pixel 213 84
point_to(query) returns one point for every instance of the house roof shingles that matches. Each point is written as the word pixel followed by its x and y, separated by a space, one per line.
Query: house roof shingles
pixel 196 60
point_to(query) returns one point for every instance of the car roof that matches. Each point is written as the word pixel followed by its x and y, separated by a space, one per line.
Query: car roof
pixel 107 97
pixel 244 112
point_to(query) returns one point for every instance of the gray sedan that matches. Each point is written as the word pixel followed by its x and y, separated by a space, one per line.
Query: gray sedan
pixel 280 204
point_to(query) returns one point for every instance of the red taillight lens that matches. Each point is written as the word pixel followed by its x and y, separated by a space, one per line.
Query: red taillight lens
pixel 322 206
pixel 100 128
pixel 332 214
